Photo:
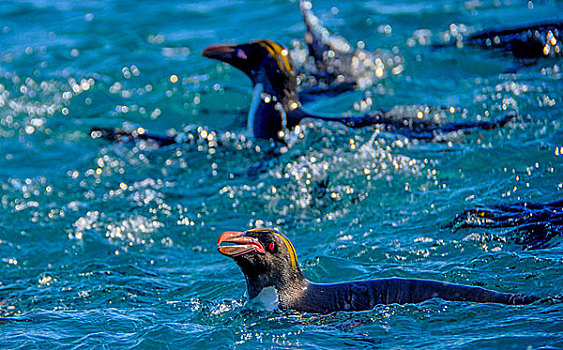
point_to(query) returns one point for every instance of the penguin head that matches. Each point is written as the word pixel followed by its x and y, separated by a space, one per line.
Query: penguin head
pixel 265 62
pixel 266 257
pixel 261 60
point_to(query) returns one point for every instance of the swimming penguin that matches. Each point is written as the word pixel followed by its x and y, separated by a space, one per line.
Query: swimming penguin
pixel 273 278
pixel 276 107
pixel 535 223
pixel 526 43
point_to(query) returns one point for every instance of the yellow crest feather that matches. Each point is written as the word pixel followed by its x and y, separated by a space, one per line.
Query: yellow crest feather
pixel 278 52
pixel 288 245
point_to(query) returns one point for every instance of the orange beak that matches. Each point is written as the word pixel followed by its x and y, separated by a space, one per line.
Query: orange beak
pixel 242 244
pixel 219 52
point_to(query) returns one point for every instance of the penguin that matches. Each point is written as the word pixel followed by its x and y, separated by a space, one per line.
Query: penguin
pixel 276 108
pixel 536 224
pixel 526 43
pixel 274 280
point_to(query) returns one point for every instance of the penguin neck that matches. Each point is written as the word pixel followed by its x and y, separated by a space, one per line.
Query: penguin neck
pixel 271 114
pixel 285 292
pixel 255 104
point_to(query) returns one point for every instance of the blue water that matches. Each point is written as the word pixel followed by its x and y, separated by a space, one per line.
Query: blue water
pixel 114 245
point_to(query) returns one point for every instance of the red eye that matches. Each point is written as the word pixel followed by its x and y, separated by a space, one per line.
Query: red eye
pixel 271 246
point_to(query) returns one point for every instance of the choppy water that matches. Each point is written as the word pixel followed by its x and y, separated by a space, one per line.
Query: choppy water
pixel 114 245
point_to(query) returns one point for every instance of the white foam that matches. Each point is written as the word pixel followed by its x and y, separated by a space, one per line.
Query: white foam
pixel 268 300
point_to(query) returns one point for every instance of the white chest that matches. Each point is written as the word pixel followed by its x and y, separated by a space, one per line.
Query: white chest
pixel 267 300
pixel 256 100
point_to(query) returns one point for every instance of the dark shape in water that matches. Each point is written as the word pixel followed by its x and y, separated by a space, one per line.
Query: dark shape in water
pixel 535 223
pixel 526 43
pixel 276 107
pixel 190 135
pixel 273 277
pixel 124 136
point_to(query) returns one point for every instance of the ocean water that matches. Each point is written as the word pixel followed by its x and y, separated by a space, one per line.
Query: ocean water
pixel 114 245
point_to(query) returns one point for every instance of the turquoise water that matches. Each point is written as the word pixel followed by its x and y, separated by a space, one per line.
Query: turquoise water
pixel 115 244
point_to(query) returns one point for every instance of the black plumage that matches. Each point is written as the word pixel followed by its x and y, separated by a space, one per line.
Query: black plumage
pixel 268 260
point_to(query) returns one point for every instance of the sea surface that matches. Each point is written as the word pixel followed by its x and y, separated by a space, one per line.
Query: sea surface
pixel 107 245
